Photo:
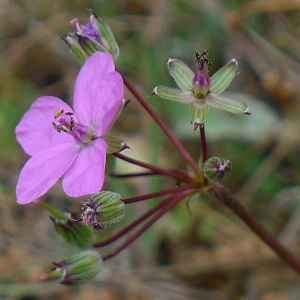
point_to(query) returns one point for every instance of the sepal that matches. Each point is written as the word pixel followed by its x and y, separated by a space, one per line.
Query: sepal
pixel 173 94
pixel 223 77
pixel 181 73
pixel 226 104
pixel 114 144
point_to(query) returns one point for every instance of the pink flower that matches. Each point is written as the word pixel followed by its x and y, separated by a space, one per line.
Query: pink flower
pixel 62 141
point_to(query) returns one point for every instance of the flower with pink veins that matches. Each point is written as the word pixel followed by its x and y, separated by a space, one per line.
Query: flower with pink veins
pixel 62 141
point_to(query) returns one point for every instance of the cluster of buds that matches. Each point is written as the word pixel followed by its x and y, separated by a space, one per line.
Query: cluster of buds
pixel 216 168
pixel 91 37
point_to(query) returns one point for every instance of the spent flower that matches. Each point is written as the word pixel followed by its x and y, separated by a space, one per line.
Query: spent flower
pixel 199 89
pixel 62 141
pixel 91 37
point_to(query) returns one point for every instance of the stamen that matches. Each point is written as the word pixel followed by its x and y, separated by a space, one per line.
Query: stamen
pixel 58 113
pixel 201 58
pixel 66 123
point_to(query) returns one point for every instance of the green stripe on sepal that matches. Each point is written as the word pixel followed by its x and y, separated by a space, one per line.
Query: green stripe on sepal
pixel 181 73
pixel 107 36
pixel 102 210
pixel 90 45
pixel 226 104
pixel 223 77
pixel 198 113
pixel 75 47
pixel 173 94
pixel 75 233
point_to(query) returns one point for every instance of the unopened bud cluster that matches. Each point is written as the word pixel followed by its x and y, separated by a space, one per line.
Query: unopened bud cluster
pixel 216 168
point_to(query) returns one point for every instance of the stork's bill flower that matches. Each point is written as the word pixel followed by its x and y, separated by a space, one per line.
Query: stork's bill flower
pixel 71 142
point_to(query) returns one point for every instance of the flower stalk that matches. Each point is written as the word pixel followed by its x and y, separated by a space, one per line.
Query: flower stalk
pixel 164 128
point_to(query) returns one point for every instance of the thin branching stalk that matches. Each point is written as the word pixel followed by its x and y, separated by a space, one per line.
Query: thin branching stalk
pixel 157 170
pixel 161 193
pixel 164 128
pixel 171 202
pixel 137 222
pixel 233 203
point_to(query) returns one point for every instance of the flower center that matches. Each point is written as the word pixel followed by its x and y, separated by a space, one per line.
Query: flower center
pixel 66 123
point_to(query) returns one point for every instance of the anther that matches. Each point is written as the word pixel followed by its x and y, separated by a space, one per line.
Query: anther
pixel 201 58
pixel 58 113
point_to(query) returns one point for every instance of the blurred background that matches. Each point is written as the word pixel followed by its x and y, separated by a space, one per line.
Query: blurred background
pixel 200 252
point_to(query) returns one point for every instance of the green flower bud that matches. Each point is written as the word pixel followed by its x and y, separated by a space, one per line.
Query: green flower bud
pixel 71 230
pixel 102 210
pixel 91 37
pixel 78 269
pixel 75 232
pixel 216 168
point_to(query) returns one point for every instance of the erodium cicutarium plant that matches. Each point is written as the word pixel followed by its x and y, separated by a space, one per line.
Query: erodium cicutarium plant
pixel 73 143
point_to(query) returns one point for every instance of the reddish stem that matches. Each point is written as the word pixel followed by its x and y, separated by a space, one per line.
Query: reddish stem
pixel 171 201
pixel 161 193
pixel 164 128
pixel 233 203
pixel 133 224
pixel 203 143
pixel 157 170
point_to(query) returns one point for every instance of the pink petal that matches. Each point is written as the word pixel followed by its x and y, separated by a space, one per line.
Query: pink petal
pixel 86 174
pixel 42 171
pixel 107 103
pixel 94 70
pixel 35 132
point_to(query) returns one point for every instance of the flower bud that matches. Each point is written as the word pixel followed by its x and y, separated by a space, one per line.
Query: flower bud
pixel 216 168
pixel 102 210
pixel 72 231
pixel 78 269
pixel 91 37
pixel 75 232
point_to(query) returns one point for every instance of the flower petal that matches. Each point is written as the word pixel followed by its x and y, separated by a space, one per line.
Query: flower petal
pixel 35 132
pixel 223 77
pixel 227 104
pixel 108 102
pixel 181 73
pixel 92 73
pixel 42 171
pixel 86 175
pixel 173 94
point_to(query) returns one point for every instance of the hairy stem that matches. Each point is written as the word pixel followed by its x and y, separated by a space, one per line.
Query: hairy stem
pixel 164 128
pixel 233 203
